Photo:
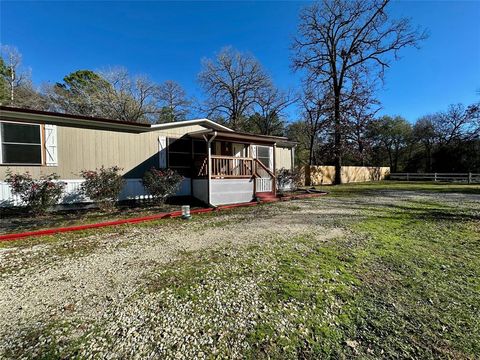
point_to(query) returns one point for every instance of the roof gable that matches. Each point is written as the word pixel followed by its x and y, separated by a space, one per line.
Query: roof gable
pixel 209 124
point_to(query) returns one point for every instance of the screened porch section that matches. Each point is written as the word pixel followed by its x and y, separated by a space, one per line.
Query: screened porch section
pixel 235 160
pixel 232 168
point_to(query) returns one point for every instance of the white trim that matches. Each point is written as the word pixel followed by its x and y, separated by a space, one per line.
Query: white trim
pixel 254 151
pixel 205 122
pixel 162 152
pixel 271 156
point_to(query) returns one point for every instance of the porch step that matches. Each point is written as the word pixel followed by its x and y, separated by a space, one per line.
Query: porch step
pixel 265 196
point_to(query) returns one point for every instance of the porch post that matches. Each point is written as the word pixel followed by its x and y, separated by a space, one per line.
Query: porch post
pixel 274 182
pixel 209 172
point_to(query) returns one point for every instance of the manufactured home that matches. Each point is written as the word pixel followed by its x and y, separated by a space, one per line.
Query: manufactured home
pixel 219 165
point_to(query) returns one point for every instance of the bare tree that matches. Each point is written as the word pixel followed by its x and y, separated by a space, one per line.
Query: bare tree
pixel 425 133
pixel 14 75
pixel 130 98
pixel 173 102
pixel 269 105
pixel 359 108
pixel 232 82
pixel 315 106
pixel 343 39
pixel 458 123
pixel 393 134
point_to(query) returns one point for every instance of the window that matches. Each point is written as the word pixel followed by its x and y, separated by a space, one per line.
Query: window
pixel 263 155
pixel 20 143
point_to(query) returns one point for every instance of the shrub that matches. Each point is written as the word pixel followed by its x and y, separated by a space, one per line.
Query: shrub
pixel 37 194
pixel 162 183
pixel 287 179
pixel 103 186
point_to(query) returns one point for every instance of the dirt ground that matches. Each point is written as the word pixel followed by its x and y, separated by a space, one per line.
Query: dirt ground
pixel 85 294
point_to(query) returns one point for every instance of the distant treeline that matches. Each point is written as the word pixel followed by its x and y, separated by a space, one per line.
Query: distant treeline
pixel 341 50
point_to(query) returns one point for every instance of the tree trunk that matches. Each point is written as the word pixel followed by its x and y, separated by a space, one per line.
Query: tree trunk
pixel 338 141
pixel 12 84
pixel 310 157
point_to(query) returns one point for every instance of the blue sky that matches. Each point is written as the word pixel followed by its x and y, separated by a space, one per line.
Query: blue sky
pixel 167 40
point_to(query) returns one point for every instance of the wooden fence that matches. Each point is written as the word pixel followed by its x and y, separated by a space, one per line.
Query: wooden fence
pixel 469 178
pixel 325 175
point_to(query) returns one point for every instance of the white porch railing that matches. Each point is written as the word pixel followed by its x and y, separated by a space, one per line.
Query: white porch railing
pixel 231 167
pixel 264 184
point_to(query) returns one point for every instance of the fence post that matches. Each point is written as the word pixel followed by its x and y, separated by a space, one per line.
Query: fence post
pixel 407 177
pixel 435 179
pixel 469 177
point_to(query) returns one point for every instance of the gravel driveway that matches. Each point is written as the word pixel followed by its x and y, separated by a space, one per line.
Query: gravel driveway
pixel 94 289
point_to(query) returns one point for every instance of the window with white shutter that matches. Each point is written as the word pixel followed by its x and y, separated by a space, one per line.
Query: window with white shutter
pixel 162 152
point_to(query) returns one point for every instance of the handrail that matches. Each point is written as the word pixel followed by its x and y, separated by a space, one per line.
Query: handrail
pixel 230 157
pixel 232 166
pixel 203 170
pixel 265 168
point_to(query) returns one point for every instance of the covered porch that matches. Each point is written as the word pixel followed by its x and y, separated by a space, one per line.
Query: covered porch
pixel 236 167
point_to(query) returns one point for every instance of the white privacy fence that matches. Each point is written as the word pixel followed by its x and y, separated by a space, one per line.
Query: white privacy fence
pixel 132 189
pixel 469 178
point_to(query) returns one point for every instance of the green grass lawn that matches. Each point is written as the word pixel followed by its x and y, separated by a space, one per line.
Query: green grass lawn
pixel 412 186
pixel 408 287
pixel 402 280
pixel 404 283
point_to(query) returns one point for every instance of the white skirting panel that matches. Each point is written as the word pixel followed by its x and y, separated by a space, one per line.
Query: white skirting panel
pixel 231 191
pixel 133 189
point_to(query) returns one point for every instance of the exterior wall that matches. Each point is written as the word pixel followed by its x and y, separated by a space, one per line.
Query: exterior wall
pixel 283 158
pixel 80 148
pixel 231 191
pixel 200 189
pixel 325 175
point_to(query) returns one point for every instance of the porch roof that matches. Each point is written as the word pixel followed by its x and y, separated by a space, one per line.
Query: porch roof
pixel 244 137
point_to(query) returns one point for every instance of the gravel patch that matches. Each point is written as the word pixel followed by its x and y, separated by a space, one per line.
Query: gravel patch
pixel 90 286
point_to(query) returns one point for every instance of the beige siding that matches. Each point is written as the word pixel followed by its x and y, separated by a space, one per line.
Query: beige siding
pixel 80 149
pixel 283 158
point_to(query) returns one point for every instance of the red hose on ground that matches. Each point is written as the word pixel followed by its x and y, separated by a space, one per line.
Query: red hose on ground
pixel 174 214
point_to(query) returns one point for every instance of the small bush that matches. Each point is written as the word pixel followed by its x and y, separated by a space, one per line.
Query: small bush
pixel 162 183
pixel 103 186
pixel 287 179
pixel 37 194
